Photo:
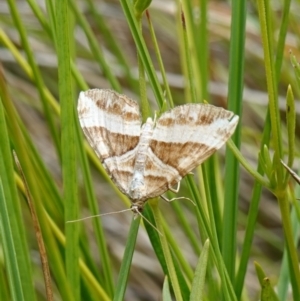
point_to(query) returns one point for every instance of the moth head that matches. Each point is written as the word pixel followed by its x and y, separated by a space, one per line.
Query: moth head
pixel 148 122
pixel 137 208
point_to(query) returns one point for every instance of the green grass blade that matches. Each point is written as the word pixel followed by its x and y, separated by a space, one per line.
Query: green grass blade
pixel 291 124
pixel 12 231
pixel 113 43
pixel 96 50
pixel 282 37
pixel 210 231
pixel 35 71
pixel 284 276
pixel 296 66
pixel 100 237
pixel 127 258
pixel 160 62
pixel 166 291
pixel 143 52
pixel 235 94
pixel 183 221
pixel 68 142
pixel 198 286
pixel 182 273
pixel 264 16
pixel 267 293
pixel 7 233
pixel 167 255
pixel 252 216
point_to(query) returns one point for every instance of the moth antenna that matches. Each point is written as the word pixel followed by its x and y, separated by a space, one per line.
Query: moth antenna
pixel 115 212
pixel 97 215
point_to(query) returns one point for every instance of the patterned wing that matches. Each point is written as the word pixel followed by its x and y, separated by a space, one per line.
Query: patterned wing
pixel 111 123
pixel 183 138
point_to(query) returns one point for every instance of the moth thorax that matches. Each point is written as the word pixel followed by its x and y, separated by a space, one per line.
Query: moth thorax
pixel 146 135
pixel 137 184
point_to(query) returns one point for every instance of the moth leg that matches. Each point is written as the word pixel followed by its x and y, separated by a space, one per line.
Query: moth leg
pixel 175 190
pixel 178 198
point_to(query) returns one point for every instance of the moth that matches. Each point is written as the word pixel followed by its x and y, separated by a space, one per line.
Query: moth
pixel 146 160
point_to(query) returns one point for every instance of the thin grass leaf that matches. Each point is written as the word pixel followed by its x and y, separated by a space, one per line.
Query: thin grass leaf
pixel 192 54
pixel 291 124
pixel 40 16
pixel 13 269
pixel 155 239
pixel 284 275
pixel 160 62
pixel 282 37
pixel 167 255
pixel 267 291
pixel 39 237
pixel 210 232
pixel 296 66
pixel 35 71
pixel 188 59
pixel 96 50
pixel 235 94
pixel 126 263
pixel 166 296
pixel 142 51
pixel 177 253
pixel 203 50
pixel 189 232
pixel 26 67
pixel 34 169
pixel 68 143
pixel 115 47
pixel 48 186
pixel 13 240
pixel 246 165
pixel 267 162
pixel 98 229
pixel 52 35
pixel 252 215
pixel 216 193
pixel 95 290
pixel 86 274
pixel 265 23
pixel 198 285
pixel 145 107
pixel 291 247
